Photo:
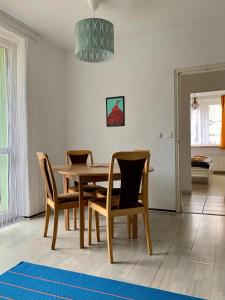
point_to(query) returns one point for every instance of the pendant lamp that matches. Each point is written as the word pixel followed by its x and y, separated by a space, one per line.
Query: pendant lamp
pixel 94 38
pixel 195 105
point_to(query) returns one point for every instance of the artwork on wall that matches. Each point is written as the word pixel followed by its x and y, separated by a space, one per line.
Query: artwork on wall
pixel 115 111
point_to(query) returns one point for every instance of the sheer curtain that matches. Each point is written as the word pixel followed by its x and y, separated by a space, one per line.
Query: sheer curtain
pixel 200 124
pixel 13 136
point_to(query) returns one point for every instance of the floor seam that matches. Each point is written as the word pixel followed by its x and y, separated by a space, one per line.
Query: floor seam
pixel 204 204
pixel 197 231
pixel 159 267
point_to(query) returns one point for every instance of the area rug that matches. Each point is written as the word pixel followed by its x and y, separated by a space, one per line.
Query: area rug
pixel 31 281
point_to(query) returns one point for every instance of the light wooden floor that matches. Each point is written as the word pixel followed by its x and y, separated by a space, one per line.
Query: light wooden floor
pixel 213 205
pixel 206 199
pixel 188 253
pixel 216 188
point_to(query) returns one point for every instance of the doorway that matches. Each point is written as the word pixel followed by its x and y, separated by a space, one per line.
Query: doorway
pixel 199 196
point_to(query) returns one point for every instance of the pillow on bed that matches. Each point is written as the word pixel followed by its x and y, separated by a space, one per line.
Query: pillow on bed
pixel 205 163
pixel 199 158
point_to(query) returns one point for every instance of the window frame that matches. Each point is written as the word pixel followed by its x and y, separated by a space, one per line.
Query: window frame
pixel 212 100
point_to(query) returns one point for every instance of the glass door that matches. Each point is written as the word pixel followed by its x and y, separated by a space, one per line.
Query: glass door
pixel 4 128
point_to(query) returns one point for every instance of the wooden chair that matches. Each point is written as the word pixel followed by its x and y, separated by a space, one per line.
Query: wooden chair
pixel 134 167
pixel 78 157
pixel 55 201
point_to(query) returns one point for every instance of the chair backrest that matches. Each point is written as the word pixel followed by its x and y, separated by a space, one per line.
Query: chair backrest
pixel 134 167
pixel 78 156
pixel 48 176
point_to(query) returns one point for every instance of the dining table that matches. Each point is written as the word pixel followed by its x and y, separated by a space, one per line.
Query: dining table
pixel 83 174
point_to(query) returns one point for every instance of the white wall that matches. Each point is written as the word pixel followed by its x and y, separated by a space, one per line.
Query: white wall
pixel 143 71
pixel 46 114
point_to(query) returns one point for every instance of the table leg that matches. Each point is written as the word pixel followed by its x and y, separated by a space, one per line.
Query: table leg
pixel 81 209
pixel 66 211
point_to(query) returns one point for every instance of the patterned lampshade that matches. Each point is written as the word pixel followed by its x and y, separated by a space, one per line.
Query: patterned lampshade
pixel 94 40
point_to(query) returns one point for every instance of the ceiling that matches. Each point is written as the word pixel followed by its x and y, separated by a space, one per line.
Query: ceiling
pixel 55 19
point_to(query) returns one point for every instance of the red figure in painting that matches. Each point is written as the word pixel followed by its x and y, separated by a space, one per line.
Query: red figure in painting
pixel 116 116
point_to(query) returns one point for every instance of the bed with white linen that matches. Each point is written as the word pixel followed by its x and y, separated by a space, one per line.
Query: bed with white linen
pixel 202 170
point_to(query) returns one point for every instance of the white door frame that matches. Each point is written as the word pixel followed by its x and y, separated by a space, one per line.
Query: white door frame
pixel 177 105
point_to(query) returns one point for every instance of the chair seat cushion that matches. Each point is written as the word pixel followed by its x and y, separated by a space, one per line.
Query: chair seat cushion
pixel 91 188
pixel 72 197
pixel 103 192
pixel 115 200
pixel 102 202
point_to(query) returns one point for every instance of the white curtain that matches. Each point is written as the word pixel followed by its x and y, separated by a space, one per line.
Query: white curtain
pixel 24 186
pixel 200 122
pixel 15 171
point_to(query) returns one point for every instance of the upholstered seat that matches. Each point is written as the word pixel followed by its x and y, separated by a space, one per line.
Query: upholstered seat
pixel 101 193
pixel 89 188
pixel 72 197
pixel 102 203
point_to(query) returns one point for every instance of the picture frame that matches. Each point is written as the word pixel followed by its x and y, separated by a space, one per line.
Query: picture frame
pixel 115 111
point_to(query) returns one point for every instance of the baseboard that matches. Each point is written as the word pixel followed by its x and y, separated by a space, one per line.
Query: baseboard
pixel 154 209
pixel 33 216
pixel 218 172
pixel 186 192
pixel 163 210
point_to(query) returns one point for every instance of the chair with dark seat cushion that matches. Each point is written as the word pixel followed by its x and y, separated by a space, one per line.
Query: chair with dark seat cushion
pixel 134 167
pixel 79 157
pixel 55 201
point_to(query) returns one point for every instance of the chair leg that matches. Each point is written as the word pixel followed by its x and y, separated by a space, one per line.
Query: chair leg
pixel 89 224
pixel 97 226
pixel 67 219
pixel 112 228
pixel 109 238
pixel 148 232
pixel 129 224
pixel 55 227
pixel 47 214
pixel 75 218
pixel 135 226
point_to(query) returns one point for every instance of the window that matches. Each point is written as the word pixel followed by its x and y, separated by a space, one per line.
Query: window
pixel 206 121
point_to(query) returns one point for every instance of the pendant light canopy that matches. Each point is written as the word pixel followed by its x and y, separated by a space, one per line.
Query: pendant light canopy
pixel 94 38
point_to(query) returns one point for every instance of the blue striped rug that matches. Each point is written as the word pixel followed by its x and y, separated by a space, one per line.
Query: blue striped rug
pixel 34 282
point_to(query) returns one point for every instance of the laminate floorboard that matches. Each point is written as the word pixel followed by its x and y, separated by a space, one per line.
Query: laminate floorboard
pixel 188 252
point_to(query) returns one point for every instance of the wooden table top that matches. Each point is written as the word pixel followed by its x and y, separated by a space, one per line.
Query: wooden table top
pixel 83 169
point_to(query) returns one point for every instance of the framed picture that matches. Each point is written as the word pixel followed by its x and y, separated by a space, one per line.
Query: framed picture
pixel 115 111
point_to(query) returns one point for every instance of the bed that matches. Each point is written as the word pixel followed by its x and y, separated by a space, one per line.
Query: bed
pixel 201 169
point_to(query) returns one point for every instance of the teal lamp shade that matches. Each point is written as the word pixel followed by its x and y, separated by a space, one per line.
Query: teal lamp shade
pixel 94 40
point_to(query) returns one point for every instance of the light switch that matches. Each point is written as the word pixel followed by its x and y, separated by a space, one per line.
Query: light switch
pixel 159 135
pixel 169 135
